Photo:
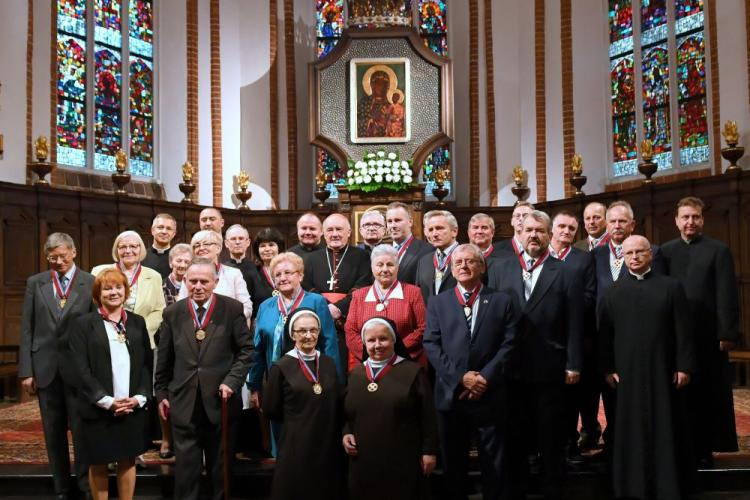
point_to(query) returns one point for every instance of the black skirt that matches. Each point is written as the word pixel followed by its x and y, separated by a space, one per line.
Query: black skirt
pixel 110 439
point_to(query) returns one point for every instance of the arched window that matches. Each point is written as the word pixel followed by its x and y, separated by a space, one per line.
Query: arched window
pixel 433 28
pixel 105 102
pixel 658 83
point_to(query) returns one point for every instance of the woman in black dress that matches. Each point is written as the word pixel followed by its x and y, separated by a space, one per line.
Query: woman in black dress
pixel 268 243
pixel 390 433
pixel 302 394
pixel 111 356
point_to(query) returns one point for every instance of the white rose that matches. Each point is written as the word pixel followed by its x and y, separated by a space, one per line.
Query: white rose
pixel 371 162
pixel 368 179
pixel 392 156
pixel 408 172
pixel 351 181
pixel 360 164
pixel 371 155
pixel 378 178
pixel 395 170
pixel 388 177
pixel 387 163
pixel 381 154
pixel 379 163
pixel 350 173
pixel 372 171
pixel 407 180
pixel 380 171
pixel 358 180
pixel 405 164
pixel 396 178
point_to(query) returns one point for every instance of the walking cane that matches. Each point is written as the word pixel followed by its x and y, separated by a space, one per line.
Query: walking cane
pixel 225 445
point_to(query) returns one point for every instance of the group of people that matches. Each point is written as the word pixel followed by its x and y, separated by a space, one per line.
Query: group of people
pixel 370 362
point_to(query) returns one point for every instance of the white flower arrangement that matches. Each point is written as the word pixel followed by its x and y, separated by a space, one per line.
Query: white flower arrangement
pixel 379 170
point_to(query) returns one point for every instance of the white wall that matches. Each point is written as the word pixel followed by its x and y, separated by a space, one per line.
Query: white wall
pixel 13 33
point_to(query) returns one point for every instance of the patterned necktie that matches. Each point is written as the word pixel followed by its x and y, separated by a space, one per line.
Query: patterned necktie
pixel 63 282
pixel 616 264
pixel 441 258
pixel 527 284
pixel 200 311
pixel 468 311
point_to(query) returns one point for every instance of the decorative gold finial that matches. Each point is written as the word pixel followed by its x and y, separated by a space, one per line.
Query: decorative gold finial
pixel 518 175
pixel 320 177
pixel 647 150
pixel 730 133
pixel 576 164
pixel 243 180
pixel 187 172
pixel 41 147
pixel 121 161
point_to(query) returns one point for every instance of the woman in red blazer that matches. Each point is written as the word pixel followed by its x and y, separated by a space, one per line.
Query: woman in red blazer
pixel 387 297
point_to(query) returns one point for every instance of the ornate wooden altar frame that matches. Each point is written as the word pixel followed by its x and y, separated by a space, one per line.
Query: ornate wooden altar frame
pixel 444 137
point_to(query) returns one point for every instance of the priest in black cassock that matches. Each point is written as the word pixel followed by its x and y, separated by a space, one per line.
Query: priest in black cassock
pixel 648 355
pixel 400 223
pixel 336 271
pixel 309 232
pixel 163 229
pixel 705 268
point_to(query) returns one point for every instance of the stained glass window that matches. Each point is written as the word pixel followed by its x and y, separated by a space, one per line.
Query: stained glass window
pixel 329 17
pixel 654 99
pixel 122 83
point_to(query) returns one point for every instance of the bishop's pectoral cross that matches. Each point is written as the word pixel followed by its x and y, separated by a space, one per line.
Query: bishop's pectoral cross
pixel 332 283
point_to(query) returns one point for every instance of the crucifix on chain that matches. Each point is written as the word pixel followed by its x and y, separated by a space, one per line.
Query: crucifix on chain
pixel 332 283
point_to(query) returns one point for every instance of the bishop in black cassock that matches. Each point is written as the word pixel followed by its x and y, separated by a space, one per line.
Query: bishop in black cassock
pixel 705 268
pixel 648 354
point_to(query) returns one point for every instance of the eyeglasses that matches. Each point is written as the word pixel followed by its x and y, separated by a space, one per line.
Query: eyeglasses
pixel 128 247
pixel 305 331
pixel 204 244
pixel 372 225
pixel 61 257
pixel 468 262
pixel 284 274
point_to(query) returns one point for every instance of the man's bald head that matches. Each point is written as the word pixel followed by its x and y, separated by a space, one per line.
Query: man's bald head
pixel 309 230
pixel 336 231
pixel 637 252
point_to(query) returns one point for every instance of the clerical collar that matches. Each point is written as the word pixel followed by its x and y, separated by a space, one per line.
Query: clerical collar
pixel 237 261
pixel 640 277
pixel 339 251
pixel 159 251
pixel 692 241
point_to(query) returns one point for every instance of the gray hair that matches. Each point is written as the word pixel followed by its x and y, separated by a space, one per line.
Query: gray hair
pixel 129 234
pixel 239 227
pixel 370 214
pixel 621 203
pixel 473 249
pixel 449 217
pixel 540 216
pixel 207 234
pixel 481 216
pixel 384 249
pixel 55 240
pixel 180 249
pixel 202 261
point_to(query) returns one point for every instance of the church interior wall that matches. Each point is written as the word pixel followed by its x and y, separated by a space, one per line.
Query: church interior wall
pixel 246 92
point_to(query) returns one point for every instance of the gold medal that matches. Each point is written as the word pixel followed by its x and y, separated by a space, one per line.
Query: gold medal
pixel 379 307
pixel 200 335
pixel 63 301
pixel 372 387
pixel 317 388
pixel 121 338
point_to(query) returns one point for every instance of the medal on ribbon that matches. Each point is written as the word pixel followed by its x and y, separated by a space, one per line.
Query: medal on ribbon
pixel 383 299
pixel 200 327
pixel 373 385
pixel 269 280
pixel 468 304
pixel 311 376
pixel 618 258
pixel 135 276
pixel 285 311
pixel 441 270
pixel 62 296
pixel 404 246
pixel 526 271
pixel 120 326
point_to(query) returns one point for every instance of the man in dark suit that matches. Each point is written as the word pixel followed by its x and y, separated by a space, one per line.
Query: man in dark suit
pixel 609 263
pixel 595 224
pixel 371 229
pixel 53 298
pixel 583 397
pixel 469 339
pixel 434 269
pixel 481 232
pixel 550 328
pixel 400 222
pixel 513 245
pixel 705 268
pixel 205 352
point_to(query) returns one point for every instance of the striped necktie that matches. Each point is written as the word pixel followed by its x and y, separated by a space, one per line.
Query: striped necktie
pixel 616 265
pixel 527 284
pixel 468 311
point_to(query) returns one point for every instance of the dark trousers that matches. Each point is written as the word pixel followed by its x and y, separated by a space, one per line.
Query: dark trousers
pixel 57 406
pixel 200 436
pixel 456 429
pixel 539 420
pixel 582 398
